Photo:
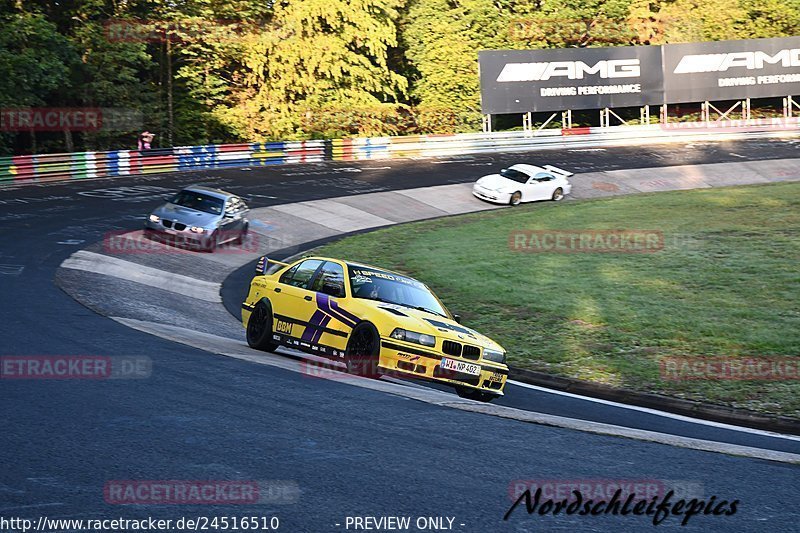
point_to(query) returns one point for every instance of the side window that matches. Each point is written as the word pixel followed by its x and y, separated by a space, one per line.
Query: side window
pixel 300 275
pixel 286 276
pixel 541 176
pixel 330 280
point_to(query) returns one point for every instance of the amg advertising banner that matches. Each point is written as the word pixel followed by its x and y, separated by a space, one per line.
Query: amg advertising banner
pixel 731 70
pixel 518 81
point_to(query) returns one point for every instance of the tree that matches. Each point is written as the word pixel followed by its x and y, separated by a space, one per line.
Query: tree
pixel 314 55
pixel 36 62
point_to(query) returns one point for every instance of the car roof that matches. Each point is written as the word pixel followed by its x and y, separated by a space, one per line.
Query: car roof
pixel 358 265
pixel 529 169
pixel 218 193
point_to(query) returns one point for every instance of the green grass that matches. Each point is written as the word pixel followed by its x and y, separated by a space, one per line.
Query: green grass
pixel 726 284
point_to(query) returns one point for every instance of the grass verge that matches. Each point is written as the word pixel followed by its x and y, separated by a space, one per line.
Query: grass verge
pixel 726 284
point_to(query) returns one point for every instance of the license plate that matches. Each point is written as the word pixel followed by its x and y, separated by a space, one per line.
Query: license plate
pixel 460 366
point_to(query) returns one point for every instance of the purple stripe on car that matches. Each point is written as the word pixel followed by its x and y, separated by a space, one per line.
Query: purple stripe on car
pixel 310 331
pixel 324 303
pixel 319 332
pixel 345 312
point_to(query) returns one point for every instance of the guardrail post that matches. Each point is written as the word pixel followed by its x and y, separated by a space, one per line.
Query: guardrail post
pixel 788 106
pixel 644 115
pixel 566 119
pixel 527 124
pixel 487 123
pixel 746 109
pixel 664 114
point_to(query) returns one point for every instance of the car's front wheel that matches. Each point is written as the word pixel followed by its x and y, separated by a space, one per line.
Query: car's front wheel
pixel 259 329
pixel 363 351
pixel 558 194
pixel 472 394
pixel 516 198
pixel 242 235
pixel 211 242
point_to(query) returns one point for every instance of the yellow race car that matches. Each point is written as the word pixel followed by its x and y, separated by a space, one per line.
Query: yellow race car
pixel 374 320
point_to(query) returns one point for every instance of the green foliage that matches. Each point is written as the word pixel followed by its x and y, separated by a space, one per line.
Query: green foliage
pixel 200 71
pixel 315 55
pixel 36 61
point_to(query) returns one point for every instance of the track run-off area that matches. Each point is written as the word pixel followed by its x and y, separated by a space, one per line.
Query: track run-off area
pixel 351 446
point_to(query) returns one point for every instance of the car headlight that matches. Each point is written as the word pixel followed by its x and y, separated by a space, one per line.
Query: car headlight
pixel 494 355
pixel 197 229
pixel 155 218
pixel 412 336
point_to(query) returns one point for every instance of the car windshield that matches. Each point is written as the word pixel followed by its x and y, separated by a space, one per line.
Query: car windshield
pixel 392 288
pixel 198 201
pixel 515 175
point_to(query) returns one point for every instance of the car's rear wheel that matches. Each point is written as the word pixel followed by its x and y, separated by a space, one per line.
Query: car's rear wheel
pixel 473 394
pixel 363 351
pixel 558 194
pixel 259 329
pixel 516 198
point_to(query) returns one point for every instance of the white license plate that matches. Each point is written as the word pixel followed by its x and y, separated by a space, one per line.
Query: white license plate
pixel 460 366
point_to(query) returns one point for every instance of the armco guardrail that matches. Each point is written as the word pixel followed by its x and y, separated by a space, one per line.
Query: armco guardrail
pixel 43 168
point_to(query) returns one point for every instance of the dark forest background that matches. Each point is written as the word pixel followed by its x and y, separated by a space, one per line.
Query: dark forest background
pixel 209 71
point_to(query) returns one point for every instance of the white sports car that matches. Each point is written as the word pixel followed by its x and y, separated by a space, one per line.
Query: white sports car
pixel 523 183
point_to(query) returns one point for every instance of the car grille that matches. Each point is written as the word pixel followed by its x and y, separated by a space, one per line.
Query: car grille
pixel 179 226
pixel 455 348
pixel 166 223
pixel 451 348
pixel 471 352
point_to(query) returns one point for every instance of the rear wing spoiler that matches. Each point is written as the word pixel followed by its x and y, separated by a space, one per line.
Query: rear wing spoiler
pixel 560 171
pixel 263 264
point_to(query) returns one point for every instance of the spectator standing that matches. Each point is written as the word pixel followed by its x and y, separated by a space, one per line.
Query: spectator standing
pixel 145 140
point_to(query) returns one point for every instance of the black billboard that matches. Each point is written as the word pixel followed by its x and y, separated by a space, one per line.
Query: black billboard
pixel 518 81
pixel 731 70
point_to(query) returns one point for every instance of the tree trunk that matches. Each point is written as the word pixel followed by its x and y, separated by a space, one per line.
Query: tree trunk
pixel 170 118
pixel 68 141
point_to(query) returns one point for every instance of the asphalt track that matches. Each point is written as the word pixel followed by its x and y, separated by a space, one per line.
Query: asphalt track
pixel 351 451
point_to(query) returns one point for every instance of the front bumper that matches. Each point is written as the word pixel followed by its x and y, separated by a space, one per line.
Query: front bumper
pixel 397 357
pixel 174 236
pixel 491 196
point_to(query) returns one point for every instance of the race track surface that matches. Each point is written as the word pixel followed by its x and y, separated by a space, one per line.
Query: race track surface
pixel 350 451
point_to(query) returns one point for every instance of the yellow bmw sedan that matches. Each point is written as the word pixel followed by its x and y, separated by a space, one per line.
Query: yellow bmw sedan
pixel 374 320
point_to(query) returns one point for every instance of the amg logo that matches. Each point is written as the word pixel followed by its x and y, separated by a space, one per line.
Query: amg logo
pixel 574 70
pixel 749 60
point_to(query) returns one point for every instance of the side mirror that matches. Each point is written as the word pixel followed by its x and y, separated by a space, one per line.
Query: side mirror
pixel 261 265
pixel 457 318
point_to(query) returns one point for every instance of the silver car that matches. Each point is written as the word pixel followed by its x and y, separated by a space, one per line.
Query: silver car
pixel 200 216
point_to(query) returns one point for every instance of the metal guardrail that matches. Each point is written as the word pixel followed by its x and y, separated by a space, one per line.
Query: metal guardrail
pixel 80 165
